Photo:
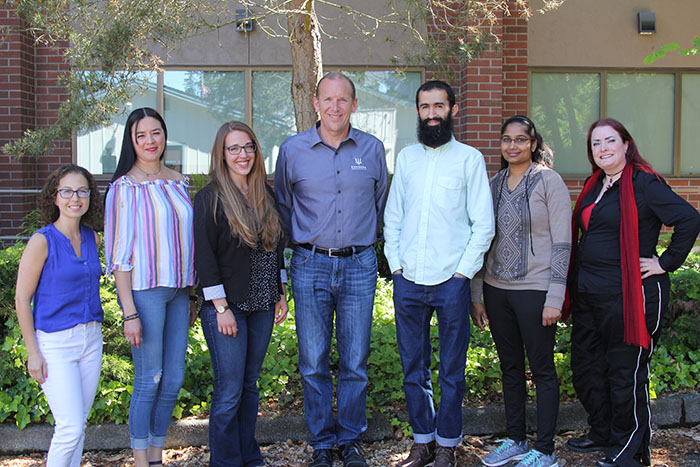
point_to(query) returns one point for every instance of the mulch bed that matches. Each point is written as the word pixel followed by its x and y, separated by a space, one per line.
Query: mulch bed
pixel 671 447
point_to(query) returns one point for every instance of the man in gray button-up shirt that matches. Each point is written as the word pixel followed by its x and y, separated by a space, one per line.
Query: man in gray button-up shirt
pixel 331 185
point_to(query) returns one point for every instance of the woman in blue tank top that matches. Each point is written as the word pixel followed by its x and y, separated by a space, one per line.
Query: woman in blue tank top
pixel 58 306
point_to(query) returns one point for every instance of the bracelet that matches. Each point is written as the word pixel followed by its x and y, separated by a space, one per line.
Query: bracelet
pixel 131 316
pixel 193 298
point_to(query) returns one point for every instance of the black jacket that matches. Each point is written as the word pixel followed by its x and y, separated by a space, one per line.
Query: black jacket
pixel 597 268
pixel 219 257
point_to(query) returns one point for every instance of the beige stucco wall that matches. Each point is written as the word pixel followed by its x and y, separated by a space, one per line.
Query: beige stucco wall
pixel 603 33
pixel 226 47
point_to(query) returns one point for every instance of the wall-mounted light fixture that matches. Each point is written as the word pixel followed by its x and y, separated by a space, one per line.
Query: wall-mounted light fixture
pixel 646 22
pixel 244 23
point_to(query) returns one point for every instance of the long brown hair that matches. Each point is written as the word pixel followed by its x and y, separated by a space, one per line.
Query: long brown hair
pixel 247 219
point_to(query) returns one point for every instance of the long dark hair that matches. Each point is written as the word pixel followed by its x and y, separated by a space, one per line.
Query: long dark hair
pixel 49 212
pixel 127 158
pixel 246 219
pixel 632 155
pixel 542 153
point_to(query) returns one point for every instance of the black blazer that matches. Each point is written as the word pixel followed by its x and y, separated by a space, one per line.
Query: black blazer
pixel 219 257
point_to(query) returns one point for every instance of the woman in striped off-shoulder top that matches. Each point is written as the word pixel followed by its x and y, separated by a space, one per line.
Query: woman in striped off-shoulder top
pixel 149 249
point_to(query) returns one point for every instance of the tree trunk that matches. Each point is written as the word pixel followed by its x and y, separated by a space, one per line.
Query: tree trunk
pixel 305 41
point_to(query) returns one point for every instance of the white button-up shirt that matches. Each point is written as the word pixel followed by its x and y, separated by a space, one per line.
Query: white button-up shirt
pixel 439 215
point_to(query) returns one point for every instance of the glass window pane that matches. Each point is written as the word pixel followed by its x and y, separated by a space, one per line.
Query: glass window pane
pixel 196 104
pixel 386 108
pixel 643 102
pixel 563 105
pixel 98 149
pixel 273 112
pixel 690 116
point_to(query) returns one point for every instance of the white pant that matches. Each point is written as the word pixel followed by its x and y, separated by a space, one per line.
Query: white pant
pixel 73 361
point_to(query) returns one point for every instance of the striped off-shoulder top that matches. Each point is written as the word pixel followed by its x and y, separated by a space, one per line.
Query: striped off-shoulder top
pixel 148 231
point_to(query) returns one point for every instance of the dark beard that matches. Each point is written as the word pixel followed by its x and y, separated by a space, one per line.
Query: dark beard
pixel 435 136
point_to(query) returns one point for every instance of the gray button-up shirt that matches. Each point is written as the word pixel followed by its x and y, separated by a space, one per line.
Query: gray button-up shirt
pixel 332 198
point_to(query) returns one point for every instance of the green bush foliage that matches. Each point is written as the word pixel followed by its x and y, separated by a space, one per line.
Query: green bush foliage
pixel 675 365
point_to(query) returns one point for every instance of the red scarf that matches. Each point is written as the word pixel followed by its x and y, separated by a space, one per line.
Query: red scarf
pixel 632 293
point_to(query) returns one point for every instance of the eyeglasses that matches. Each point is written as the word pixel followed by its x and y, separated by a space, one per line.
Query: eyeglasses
pixel 519 141
pixel 235 149
pixel 67 193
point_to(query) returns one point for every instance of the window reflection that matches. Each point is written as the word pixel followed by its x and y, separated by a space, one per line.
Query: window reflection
pixel 98 149
pixel 563 105
pixel 196 104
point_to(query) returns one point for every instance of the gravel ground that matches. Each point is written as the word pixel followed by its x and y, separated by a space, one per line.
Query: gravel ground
pixel 672 447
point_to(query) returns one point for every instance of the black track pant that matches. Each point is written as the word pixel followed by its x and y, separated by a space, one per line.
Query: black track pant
pixel 515 319
pixel 611 378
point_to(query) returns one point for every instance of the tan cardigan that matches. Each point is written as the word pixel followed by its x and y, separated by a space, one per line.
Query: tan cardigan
pixel 532 246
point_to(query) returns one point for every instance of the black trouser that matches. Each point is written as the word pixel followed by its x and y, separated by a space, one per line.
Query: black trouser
pixel 611 378
pixel 515 319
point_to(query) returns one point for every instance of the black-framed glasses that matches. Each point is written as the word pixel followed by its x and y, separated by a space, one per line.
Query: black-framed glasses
pixel 235 149
pixel 519 141
pixel 67 193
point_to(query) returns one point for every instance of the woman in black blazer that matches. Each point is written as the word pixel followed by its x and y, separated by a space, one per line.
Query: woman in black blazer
pixel 239 246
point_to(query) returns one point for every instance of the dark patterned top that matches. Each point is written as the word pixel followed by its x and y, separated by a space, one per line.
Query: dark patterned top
pixel 262 288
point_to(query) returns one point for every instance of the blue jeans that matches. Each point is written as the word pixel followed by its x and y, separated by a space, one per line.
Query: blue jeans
pixel 159 364
pixel 234 405
pixel 414 305
pixel 320 285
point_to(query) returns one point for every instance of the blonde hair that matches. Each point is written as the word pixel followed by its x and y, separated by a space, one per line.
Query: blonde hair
pixel 258 215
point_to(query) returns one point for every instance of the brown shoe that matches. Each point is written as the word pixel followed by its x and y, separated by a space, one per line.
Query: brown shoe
pixel 421 455
pixel 445 457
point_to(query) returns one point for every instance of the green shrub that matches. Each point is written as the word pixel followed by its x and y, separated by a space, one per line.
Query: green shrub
pixel 9 262
pixel 685 285
pixel 675 364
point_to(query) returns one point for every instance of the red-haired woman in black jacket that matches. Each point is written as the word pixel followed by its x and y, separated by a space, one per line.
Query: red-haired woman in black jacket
pixel 620 289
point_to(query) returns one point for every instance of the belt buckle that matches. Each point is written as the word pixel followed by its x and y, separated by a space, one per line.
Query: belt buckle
pixel 330 252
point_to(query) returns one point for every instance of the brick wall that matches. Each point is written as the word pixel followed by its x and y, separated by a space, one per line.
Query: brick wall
pixel 29 99
pixel 493 88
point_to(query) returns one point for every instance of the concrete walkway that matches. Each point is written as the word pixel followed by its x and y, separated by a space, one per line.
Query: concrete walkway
pixel 683 409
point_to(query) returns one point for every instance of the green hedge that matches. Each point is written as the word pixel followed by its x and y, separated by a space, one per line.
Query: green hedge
pixel 676 362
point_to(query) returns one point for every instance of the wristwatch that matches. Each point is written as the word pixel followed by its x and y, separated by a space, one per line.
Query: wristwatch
pixel 222 309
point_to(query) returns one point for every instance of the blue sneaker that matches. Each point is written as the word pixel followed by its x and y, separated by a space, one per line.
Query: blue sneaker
pixel 536 458
pixel 509 450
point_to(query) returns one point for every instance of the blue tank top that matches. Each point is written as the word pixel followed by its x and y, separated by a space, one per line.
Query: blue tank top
pixel 68 292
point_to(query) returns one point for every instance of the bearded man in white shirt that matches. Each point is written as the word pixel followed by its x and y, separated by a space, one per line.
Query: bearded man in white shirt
pixel 438 224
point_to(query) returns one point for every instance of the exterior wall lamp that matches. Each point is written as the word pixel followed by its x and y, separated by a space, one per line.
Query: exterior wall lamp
pixel 646 22
pixel 243 21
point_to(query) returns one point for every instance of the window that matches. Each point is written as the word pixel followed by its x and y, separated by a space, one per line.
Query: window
pixel 564 104
pixel 690 116
pixel 197 102
pixel 643 102
pixel 273 112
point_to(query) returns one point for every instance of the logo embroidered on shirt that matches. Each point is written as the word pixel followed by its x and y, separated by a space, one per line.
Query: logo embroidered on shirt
pixel 358 164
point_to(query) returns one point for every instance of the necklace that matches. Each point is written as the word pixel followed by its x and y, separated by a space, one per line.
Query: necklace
pixel 149 174
pixel 611 179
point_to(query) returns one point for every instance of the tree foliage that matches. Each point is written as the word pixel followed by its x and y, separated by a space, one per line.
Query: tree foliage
pixel 108 44
pixel 672 47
